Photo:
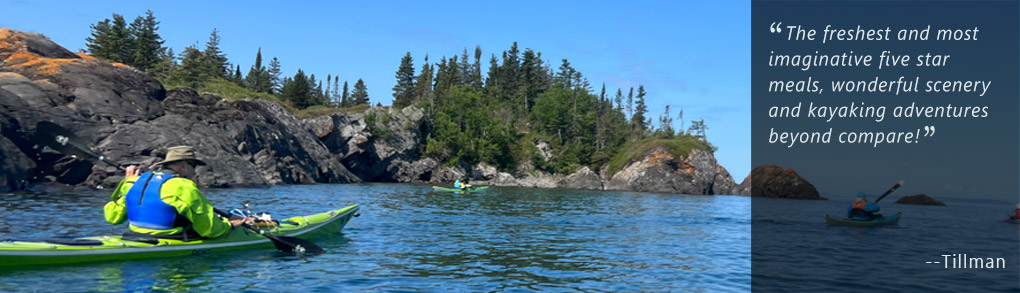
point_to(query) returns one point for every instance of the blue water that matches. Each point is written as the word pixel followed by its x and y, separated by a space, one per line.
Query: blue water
pixel 410 238
pixel 794 250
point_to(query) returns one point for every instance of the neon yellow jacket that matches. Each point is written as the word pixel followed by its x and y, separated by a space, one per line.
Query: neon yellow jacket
pixel 180 193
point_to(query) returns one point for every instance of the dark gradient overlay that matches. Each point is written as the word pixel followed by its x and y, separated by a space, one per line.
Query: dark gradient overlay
pixel 970 160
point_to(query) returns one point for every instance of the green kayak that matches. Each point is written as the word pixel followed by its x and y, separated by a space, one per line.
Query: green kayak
pixel 105 248
pixel 470 189
pixel 876 222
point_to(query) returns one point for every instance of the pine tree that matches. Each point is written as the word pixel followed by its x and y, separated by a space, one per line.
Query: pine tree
pixel 214 64
pixel 619 99
pixel 148 45
pixel 98 44
pixel 297 90
pixel 423 86
pixel 640 125
pixel 403 91
pixel 191 67
pixel 336 91
pixel 360 94
pixel 258 79
pixel 476 69
pixel 464 68
pixel 345 97
pixel 121 41
pixel 630 105
pixel 164 69
pixel 237 78
pixel 275 85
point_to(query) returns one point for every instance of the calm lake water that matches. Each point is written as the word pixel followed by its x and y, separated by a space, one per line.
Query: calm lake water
pixel 411 238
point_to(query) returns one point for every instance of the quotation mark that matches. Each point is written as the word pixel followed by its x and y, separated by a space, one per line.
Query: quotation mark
pixel 776 27
pixel 929 131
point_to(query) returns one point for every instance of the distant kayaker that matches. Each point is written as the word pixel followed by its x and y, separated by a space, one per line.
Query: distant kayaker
pixel 461 185
pixel 1016 213
pixel 167 202
pixel 862 209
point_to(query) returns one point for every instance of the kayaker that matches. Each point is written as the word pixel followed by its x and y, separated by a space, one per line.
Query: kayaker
pixel 1016 213
pixel 167 202
pixel 862 209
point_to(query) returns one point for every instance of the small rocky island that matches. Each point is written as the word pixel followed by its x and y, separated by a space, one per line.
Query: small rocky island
pixel 920 199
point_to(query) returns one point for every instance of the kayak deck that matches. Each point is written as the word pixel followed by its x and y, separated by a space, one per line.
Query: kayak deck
pixel 89 249
pixel 893 220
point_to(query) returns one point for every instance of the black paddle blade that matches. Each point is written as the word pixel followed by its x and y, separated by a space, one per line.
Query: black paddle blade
pixel 64 141
pixel 57 138
pixel 297 245
pixel 289 244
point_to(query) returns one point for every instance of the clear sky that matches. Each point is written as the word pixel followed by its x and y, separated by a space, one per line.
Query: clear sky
pixel 693 55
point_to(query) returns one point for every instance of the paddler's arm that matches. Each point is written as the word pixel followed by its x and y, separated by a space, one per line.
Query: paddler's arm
pixel 183 195
pixel 115 210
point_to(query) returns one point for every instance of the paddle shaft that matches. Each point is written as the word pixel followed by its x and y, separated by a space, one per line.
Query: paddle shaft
pixel 894 188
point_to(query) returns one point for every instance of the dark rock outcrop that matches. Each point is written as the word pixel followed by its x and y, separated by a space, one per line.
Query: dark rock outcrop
pixel 659 171
pixel 920 199
pixel 582 179
pixel 774 181
pixel 129 117
pixel 379 144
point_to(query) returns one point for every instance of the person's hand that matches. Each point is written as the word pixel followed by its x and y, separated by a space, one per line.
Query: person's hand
pixel 237 221
pixel 132 171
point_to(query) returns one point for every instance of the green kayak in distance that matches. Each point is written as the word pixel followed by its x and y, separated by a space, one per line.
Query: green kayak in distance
pixel 470 189
pixel 110 248
pixel 1011 221
pixel 893 220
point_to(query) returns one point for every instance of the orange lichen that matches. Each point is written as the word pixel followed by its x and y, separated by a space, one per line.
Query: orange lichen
pixel 85 56
pixel 118 64
pixel 659 156
pixel 30 61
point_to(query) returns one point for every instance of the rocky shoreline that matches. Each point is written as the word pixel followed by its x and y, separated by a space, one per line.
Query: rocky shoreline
pixel 131 118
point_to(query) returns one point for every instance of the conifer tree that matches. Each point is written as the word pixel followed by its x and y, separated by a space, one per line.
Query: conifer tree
pixel 275 85
pixel 258 79
pixel 98 44
pixel 345 97
pixel 423 86
pixel 297 90
pixel 476 70
pixel 214 61
pixel 360 94
pixel 640 125
pixel 191 67
pixel 403 91
pixel 236 77
pixel 148 45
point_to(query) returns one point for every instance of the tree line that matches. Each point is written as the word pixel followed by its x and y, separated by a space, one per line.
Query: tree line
pixel 520 101
pixel 140 46
pixel 497 117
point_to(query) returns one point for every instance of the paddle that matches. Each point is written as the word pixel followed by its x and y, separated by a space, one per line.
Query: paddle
pixel 894 188
pixel 64 141
pixel 283 243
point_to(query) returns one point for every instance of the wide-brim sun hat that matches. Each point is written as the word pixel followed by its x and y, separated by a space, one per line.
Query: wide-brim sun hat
pixel 181 153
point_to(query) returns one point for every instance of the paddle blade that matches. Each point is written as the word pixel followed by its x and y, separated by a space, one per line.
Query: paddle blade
pixel 297 245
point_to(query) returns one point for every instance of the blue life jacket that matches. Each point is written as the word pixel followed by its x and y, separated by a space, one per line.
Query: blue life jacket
pixel 145 207
pixel 456 184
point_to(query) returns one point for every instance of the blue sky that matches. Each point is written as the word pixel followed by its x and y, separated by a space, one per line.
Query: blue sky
pixel 693 55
